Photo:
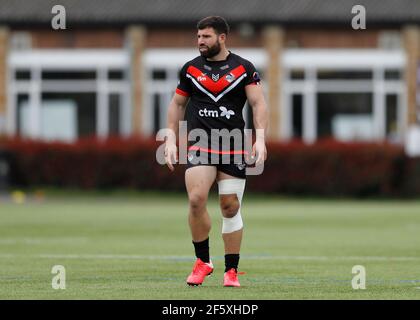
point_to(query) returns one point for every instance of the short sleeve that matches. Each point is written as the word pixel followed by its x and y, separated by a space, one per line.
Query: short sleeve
pixel 184 85
pixel 253 77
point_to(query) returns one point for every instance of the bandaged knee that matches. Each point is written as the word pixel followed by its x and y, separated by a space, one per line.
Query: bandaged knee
pixel 232 186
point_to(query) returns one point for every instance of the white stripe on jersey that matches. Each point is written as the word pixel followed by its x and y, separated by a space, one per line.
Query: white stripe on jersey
pixel 215 99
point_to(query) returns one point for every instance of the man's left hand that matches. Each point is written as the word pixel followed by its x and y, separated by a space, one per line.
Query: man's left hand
pixel 260 151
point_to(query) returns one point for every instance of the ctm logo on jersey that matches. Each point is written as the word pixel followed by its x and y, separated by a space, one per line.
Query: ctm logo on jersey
pixel 215 113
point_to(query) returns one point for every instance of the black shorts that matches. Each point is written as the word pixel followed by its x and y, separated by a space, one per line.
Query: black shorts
pixel 235 167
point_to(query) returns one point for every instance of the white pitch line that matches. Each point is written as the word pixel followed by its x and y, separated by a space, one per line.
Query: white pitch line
pixel 36 241
pixel 325 258
pixel 180 257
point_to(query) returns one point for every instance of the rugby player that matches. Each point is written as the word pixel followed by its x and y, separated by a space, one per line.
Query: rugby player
pixel 210 95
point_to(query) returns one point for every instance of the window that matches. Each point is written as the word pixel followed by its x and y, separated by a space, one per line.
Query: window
pixel 297 115
pixel 22 74
pixel 115 109
pixel 116 74
pixel 65 95
pixel 69 75
pixel 344 74
pixel 392 117
pixel 21 100
pixel 82 119
pixel 158 74
pixel 345 116
pixel 297 74
pixel 345 94
pixel 392 74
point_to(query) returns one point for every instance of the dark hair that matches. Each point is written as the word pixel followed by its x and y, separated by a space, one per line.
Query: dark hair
pixel 219 24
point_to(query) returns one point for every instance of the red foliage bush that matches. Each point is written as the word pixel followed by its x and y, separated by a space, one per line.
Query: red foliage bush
pixel 330 168
pixel 327 168
pixel 90 163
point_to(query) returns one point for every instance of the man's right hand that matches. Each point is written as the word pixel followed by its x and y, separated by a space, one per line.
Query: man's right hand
pixel 171 155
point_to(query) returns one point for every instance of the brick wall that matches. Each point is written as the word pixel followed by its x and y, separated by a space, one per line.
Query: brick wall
pixel 274 44
pixel 411 35
pixel 330 38
pixel 50 39
pixel 136 39
pixel 181 38
pixel 185 38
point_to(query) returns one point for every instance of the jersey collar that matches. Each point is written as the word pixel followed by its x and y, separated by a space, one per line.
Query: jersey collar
pixel 211 61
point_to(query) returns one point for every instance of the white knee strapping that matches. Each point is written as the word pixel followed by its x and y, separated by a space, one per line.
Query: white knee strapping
pixel 232 186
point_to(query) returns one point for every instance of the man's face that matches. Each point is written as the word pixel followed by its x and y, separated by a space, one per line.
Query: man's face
pixel 208 42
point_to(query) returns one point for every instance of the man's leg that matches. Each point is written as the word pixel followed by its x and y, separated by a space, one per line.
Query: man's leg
pixel 230 194
pixel 198 181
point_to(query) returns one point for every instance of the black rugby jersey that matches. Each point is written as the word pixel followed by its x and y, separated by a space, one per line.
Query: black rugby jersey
pixel 217 93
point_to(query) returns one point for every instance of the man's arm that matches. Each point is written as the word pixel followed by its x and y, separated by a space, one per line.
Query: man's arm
pixel 176 113
pixel 255 96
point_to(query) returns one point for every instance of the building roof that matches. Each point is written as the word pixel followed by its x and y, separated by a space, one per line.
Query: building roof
pixel 187 12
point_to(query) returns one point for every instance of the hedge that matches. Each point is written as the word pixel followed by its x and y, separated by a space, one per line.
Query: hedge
pixel 326 168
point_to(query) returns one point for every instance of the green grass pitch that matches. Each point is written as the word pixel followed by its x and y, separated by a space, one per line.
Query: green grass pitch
pixel 122 246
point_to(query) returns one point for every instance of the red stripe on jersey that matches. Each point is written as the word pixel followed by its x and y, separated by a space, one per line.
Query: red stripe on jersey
pixel 218 86
pixel 196 148
pixel 182 93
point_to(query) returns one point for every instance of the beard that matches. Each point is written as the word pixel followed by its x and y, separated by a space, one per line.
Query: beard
pixel 211 51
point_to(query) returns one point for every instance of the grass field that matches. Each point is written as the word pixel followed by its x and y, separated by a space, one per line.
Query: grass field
pixel 138 246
